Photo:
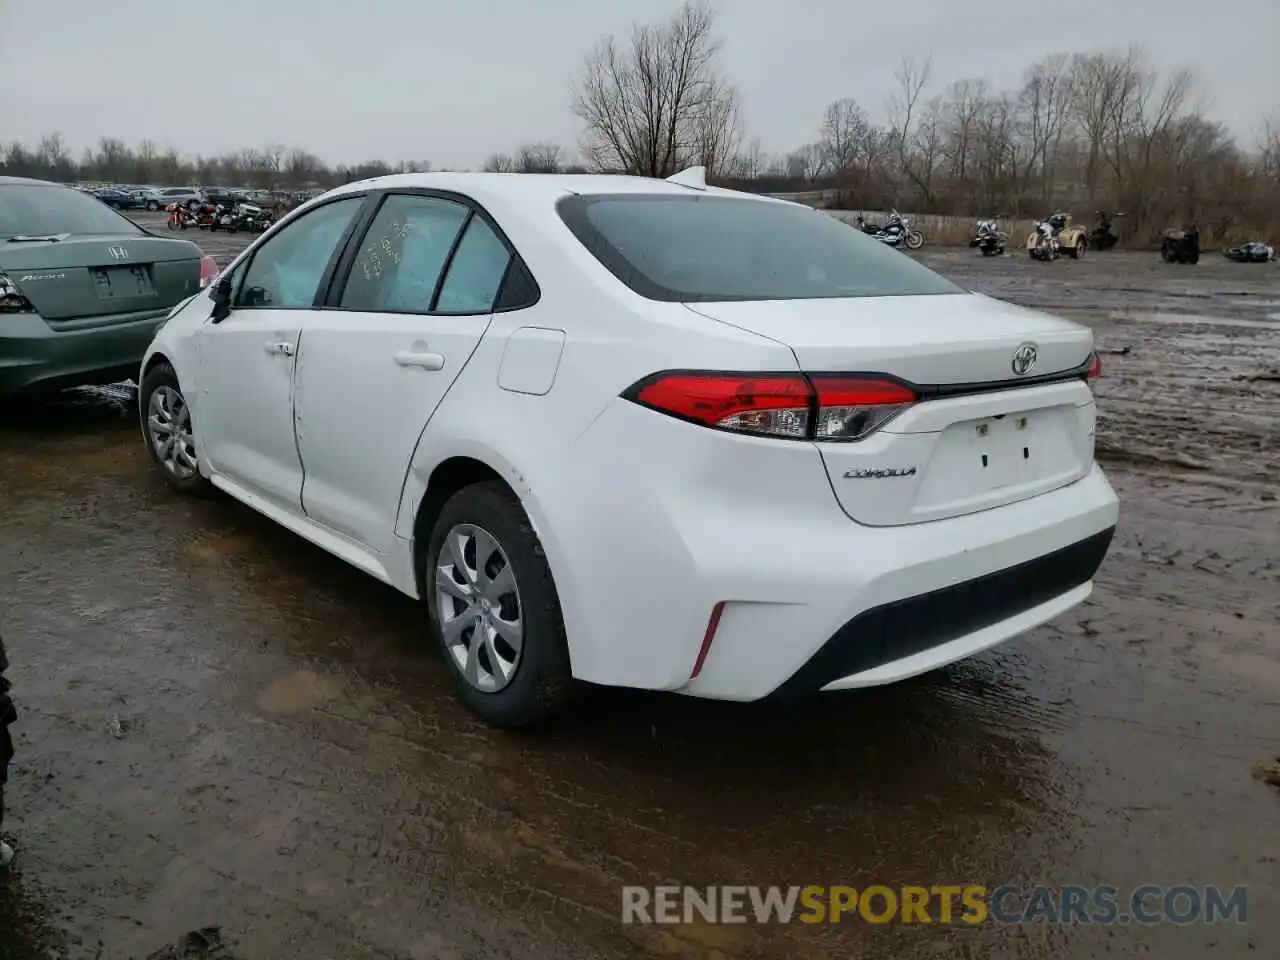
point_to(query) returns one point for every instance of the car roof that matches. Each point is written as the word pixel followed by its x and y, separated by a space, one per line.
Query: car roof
pixel 515 187
pixel 27 181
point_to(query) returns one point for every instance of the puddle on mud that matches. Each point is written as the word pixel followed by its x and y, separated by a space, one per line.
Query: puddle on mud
pixel 1190 319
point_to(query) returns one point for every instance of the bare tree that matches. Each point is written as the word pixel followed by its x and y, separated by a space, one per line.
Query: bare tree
pixel 805 163
pixel 539 158
pixel 717 133
pixel 910 129
pixel 655 103
pixel 500 163
pixel 1045 105
pixel 844 132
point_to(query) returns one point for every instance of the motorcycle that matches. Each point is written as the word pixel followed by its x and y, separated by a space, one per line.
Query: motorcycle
pixel 896 232
pixel 1250 253
pixel 1103 236
pixel 180 216
pixel 989 238
pixel 1055 234
pixel 1181 246
pixel 205 216
pixel 251 217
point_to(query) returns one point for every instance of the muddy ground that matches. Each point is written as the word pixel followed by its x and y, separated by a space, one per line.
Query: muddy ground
pixel 222 726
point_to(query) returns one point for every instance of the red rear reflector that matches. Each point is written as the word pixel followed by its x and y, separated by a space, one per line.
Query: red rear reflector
pixel 208 271
pixel 712 625
pixel 790 406
pixel 1095 366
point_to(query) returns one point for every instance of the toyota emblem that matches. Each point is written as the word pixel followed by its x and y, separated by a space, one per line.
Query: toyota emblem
pixel 118 253
pixel 1024 359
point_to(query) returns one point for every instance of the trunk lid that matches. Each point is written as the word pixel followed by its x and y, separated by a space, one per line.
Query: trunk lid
pixel 81 277
pixel 982 435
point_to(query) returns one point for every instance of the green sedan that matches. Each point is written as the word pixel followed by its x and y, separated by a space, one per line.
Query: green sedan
pixel 82 289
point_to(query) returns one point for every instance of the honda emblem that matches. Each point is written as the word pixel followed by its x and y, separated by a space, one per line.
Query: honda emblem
pixel 118 253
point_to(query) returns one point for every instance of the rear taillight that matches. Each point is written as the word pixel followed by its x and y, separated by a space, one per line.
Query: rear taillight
pixel 1095 367
pixel 11 298
pixel 850 408
pixel 787 406
pixel 208 271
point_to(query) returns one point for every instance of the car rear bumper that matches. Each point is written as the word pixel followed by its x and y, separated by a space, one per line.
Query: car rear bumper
pixel 35 357
pixel 660 523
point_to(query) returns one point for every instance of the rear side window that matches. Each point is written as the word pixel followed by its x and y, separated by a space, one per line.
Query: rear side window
pixel 403 254
pixel 28 210
pixel 475 272
pixel 710 248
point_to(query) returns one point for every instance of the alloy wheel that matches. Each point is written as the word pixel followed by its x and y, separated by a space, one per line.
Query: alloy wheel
pixel 169 429
pixel 478 604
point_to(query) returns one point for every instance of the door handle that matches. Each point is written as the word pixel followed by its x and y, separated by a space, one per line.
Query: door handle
pixel 282 348
pixel 414 358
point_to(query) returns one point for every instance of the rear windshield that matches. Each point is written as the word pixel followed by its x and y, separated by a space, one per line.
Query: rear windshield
pixel 27 210
pixel 708 248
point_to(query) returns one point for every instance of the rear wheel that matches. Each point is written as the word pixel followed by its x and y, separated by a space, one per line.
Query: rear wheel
pixel 168 430
pixel 494 609
pixel 1077 252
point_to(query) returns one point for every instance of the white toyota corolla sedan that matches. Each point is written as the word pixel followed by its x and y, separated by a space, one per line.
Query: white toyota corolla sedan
pixel 641 433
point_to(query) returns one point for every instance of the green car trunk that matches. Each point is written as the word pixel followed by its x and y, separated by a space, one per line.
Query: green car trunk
pixel 82 289
pixel 99 279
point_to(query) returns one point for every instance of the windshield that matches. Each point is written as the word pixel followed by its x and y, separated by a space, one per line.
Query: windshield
pixel 29 210
pixel 708 248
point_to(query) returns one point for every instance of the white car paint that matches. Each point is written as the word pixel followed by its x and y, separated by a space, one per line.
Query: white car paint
pixel 649 523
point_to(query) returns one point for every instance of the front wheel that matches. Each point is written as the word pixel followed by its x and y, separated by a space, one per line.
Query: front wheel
pixel 494 610
pixel 915 240
pixel 168 431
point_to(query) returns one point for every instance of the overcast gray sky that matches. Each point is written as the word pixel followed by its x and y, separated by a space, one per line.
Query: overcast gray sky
pixel 454 81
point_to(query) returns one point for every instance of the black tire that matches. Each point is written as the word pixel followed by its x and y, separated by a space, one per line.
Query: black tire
pixel 542 685
pixel 1077 252
pixel 163 375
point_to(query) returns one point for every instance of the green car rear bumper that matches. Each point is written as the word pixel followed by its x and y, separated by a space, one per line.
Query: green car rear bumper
pixel 35 357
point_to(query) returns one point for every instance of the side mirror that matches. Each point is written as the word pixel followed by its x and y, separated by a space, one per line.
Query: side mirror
pixel 221 300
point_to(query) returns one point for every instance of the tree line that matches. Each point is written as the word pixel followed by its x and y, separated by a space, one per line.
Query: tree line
pixel 1084 131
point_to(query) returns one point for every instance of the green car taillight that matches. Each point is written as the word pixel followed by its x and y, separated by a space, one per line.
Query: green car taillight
pixel 11 298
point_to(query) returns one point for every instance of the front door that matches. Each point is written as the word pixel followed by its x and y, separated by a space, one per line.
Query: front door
pixel 373 369
pixel 247 359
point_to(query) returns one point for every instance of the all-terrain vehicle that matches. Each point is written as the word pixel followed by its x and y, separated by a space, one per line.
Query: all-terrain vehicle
pixel 1181 246
pixel 1103 236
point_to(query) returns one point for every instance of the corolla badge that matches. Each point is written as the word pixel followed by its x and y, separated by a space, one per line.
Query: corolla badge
pixel 880 474
pixel 118 252
pixel 1024 359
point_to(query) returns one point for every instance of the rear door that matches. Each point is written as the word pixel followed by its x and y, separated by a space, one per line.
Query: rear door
pixel 411 301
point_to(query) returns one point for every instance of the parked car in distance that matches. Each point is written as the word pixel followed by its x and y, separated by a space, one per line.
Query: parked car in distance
pixel 116 199
pixel 641 433
pixel 82 289
pixel 162 197
pixel 222 196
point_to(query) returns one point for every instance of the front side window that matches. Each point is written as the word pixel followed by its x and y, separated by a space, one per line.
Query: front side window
pixel 713 248
pixel 403 254
pixel 31 210
pixel 286 270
